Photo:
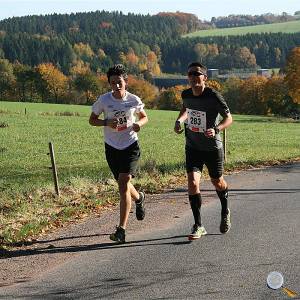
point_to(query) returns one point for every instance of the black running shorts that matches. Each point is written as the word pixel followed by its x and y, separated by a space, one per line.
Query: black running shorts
pixel 123 161
pixel 214 161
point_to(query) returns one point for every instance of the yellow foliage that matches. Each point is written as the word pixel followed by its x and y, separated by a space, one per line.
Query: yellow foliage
pixel 122 57
pixel 56 81
pixel 252 97
pixel 80 67
pixel 131 58
pixel 101 53
pixel 104 82
pixel 142 88
pixel 83 50
pixel 152 63
pixel 142 66
pixel 275 89
pixel 293 74
pixel 214 85
pixel 156 69
pixel 170 99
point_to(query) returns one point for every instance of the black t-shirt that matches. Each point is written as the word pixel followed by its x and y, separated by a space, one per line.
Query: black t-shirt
pixel 203 112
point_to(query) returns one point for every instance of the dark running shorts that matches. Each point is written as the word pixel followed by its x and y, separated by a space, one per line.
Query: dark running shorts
pixel 214 161
pixel 123 161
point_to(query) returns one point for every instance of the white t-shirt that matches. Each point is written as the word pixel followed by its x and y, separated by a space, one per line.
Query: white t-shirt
pixel 124 110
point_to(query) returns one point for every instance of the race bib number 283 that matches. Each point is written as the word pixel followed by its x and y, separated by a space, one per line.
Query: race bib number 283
pixel 196 120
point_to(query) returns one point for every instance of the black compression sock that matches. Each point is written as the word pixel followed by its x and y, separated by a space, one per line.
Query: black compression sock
pixel 195 202
pixel 223 196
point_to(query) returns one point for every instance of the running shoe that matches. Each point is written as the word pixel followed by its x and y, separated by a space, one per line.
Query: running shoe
pixel 197 232
pixel 225 222
pixel 140 207
pixel 118 236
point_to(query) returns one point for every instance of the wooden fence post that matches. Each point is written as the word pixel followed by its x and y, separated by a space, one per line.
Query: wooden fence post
pixel 225 144
pixel 53 167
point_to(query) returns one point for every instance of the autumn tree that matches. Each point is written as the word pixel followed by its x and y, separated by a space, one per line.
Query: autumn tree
pixel 145 90
pixel 214 85
pixel 276 95
pixel 232 94
pixel 79 67
pixel 84 50
pixel 206 53
pixel 101 54
pixel 243 58
pixel 55 81
pixel 131 58
pixel 152 63
pixel 102 78
pixel 252 100
pixel 292 77
pixel 170 99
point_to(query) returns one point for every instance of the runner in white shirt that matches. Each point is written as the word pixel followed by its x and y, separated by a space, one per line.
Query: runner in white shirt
pixel 119 109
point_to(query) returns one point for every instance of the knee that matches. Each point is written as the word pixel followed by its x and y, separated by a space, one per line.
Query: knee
pixel 193 186
pixel 123 182
pixel 219 183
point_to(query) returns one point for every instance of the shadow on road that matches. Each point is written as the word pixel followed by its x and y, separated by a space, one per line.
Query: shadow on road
pixel 51 249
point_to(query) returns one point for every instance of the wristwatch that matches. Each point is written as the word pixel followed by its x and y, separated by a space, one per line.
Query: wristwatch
pixel 217 130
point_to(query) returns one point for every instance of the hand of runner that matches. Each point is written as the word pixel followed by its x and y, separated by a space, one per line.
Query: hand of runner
pixel 112 123
pixel 210 133
pixel 177 128
pixel 136 127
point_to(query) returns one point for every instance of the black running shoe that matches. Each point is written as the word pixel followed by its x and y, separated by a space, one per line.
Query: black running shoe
pixel 140 207
pixel 118 236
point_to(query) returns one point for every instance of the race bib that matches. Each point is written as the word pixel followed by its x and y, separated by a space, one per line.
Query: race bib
pixel 124 120
pixel 196 120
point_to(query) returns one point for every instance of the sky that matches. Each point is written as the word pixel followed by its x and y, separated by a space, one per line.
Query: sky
pixel 204 9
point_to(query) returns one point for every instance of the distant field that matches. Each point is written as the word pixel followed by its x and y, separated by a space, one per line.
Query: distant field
pixel 287 27
pixel 79 147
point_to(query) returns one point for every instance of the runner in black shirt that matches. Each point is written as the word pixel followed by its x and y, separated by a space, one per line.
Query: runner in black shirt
pixel 200 111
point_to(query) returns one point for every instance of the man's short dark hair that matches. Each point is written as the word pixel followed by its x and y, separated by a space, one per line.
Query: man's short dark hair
pixel 118 70
pixel 198 64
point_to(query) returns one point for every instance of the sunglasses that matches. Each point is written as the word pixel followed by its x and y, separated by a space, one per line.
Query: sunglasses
pixel 195 73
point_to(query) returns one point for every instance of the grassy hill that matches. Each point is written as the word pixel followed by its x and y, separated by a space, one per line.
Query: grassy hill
pixel 286 27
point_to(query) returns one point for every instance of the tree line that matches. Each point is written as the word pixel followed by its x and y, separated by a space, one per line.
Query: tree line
pixel 279 94
pixel 267 50
pixel 248 20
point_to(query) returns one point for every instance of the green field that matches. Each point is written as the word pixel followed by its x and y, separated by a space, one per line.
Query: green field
pixel 286 27
pixel 27 202
pixel 79 147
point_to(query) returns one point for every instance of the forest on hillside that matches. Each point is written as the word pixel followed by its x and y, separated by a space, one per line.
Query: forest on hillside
pixel 63 59
pixel 145 44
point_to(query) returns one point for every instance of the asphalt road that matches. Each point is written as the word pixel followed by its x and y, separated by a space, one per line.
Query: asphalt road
pixel 160 263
